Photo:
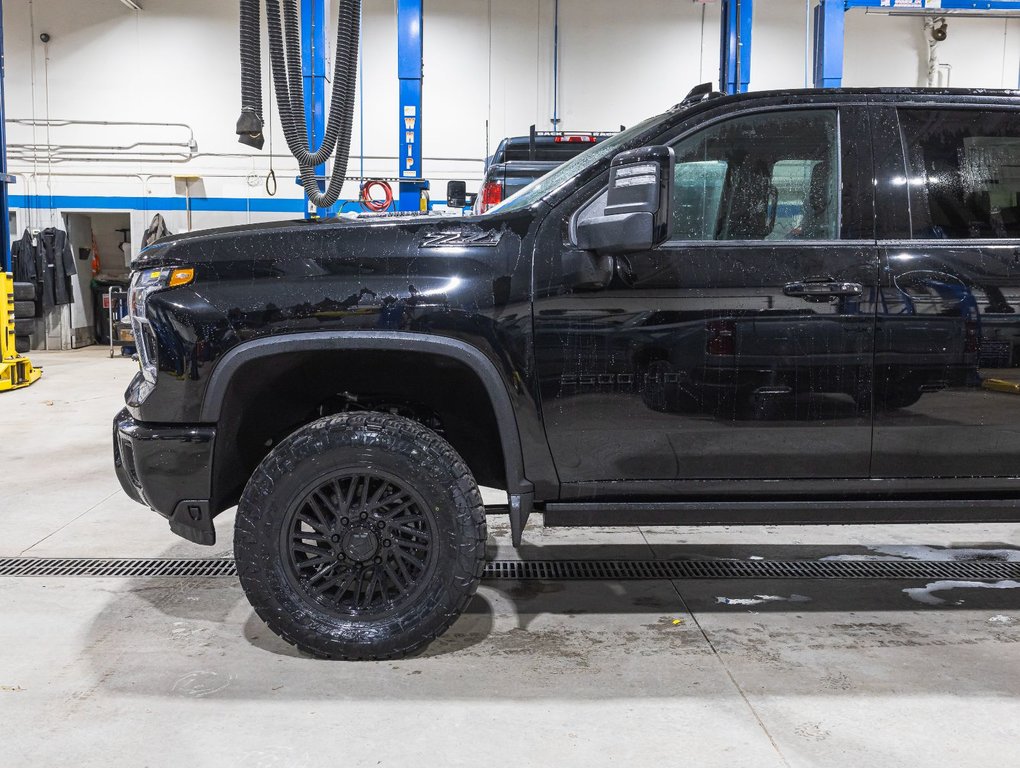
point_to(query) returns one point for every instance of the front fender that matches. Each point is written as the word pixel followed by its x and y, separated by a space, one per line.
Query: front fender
pixel 501 394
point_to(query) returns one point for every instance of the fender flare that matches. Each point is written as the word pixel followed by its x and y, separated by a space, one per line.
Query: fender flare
pixel 390 341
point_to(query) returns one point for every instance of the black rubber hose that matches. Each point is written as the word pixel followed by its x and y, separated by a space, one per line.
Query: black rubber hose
pixel 344 69
pixel 294 59
pixel 347 58
pixel 279 72
pixel 285 58
pixel 343 75
pixel 250 123
pixel 293 128
pixel 292 114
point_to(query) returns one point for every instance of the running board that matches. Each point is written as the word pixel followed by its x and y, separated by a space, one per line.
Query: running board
pixel 560 514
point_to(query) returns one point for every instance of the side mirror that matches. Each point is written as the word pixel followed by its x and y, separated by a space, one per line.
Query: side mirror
pixel 456 194
pixel 637 212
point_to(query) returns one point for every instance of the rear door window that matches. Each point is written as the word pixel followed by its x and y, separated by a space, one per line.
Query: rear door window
pixel 963 173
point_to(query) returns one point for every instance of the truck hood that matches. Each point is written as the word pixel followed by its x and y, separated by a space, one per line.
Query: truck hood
pixel 361 240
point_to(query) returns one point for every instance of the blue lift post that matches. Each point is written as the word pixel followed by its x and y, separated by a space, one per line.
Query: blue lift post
pixel 5 179
pixel 829 27
pixel 313 69
pixel 735 48
pixel 410 17
pixel 829 17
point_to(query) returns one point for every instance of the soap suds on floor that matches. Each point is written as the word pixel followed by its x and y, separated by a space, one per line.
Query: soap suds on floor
pixel 939 554
pixel 926 594
pixel 759 599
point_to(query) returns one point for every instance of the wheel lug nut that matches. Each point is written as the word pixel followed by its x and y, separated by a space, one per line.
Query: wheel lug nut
pixel 378 560
pixel 381 525
pixel 341 556
pixel 345 521
pixel 364 515
pixel 386 543
pixel 334 538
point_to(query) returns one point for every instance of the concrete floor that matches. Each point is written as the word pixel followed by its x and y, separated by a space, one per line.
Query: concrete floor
pixel 172 672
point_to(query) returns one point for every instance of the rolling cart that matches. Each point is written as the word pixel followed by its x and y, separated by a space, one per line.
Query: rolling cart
pixel 115 301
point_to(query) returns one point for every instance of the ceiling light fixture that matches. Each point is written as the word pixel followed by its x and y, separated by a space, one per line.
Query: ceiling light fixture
pixel 132 5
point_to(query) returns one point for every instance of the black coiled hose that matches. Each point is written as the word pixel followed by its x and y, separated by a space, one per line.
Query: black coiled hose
pixel 249 124
pixel 285 60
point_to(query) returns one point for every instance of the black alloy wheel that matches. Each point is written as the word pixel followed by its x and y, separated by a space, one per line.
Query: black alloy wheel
pixel 359 543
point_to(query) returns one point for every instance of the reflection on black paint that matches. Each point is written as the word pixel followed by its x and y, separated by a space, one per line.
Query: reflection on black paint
pixel 697 360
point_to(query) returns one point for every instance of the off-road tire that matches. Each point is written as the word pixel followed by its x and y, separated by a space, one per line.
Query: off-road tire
pixel 22 344
pixel 24 327
pixel 24 309
pixel 24 292
pixel 418 460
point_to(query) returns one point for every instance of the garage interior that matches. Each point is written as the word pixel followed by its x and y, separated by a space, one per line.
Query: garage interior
pixel 756 645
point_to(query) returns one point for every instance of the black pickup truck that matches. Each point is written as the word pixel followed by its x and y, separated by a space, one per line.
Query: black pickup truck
pixel 765 308
pixel 520 160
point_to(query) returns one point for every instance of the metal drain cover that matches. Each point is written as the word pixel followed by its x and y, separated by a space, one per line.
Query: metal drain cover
pixel 610 570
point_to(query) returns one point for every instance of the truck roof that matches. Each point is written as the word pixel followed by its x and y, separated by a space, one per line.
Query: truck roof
pixel 704 93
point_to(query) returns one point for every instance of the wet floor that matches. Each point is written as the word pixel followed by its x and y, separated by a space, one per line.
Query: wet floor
pixel 166 672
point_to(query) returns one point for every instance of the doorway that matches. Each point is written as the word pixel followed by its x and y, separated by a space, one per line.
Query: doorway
pixel 102 239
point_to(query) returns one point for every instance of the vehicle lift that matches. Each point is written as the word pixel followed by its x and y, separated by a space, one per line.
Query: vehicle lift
pixel 16 370
pixel 829 26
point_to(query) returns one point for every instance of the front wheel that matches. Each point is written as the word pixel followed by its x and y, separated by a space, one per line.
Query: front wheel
pixel 360 536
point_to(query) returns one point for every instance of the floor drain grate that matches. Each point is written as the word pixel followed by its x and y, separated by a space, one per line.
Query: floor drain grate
pixel 611 570
pixel 751 569
pixel 139 567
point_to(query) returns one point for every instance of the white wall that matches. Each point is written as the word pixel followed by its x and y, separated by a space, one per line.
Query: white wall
pixel 488 73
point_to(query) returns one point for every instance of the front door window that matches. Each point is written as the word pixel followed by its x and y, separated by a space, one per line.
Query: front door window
pixel 761 177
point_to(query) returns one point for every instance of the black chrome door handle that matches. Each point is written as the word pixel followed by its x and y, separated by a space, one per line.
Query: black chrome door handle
pixel 823 289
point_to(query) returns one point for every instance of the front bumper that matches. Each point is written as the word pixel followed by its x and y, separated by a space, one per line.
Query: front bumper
pixel 168 468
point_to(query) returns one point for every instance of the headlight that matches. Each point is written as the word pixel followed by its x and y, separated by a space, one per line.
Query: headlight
pixel 143 285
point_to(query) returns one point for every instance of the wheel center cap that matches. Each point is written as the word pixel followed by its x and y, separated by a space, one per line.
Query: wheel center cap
pixel 360 544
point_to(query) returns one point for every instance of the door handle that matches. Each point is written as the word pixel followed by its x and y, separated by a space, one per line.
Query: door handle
pixel 822 289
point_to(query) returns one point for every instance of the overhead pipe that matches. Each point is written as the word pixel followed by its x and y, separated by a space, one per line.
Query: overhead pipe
pixel 65 122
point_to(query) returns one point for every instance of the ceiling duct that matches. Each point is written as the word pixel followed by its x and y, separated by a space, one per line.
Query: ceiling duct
pixel 944 12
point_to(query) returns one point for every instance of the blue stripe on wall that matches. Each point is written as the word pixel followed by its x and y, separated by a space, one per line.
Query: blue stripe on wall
pixel 158 204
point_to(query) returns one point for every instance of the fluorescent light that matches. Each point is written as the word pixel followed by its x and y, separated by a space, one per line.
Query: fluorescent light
pixel 132 5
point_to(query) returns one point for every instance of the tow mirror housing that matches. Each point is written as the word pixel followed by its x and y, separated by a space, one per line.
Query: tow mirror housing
pixel 456 194
pixel 637 212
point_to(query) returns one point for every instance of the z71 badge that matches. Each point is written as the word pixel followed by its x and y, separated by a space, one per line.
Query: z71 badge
pixel 459 238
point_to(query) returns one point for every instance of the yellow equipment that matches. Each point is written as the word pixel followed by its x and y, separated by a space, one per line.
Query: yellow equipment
pixel 16 370
pixel 1001 385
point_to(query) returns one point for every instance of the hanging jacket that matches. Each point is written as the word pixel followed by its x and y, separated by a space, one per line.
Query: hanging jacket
pixel 157 230
pixel 25 260
pixel 55 250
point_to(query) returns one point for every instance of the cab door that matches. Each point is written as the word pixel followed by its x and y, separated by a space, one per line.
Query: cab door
pixel 948 342
pixel 743 347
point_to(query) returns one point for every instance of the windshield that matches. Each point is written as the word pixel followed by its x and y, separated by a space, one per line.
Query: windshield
pixel 542 186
